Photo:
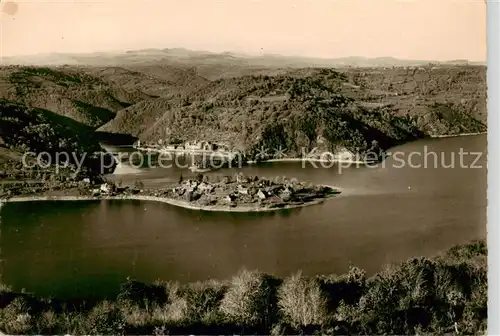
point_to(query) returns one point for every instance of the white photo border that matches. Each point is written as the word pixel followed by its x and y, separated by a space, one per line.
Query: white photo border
pixel 493 211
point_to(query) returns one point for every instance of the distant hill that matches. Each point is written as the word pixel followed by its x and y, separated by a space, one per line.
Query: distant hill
pixel 152 80
pixel 48 59
pixel 134 57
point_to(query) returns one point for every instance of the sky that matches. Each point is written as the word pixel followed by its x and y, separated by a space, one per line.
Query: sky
pixel 406 29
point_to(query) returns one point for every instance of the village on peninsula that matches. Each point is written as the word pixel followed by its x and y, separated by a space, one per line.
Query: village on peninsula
pixel 202 192
pixel 240 192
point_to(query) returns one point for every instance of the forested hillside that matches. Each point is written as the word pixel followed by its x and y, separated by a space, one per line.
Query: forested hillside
pixel 291 108
pixel 68 92
pixel 315 108
pixel 35 131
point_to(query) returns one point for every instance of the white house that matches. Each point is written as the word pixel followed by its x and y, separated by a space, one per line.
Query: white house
pixel 242 190
pixel 194 145
pixel 106 188
pixel 262 194
pixel 205 187
pixel 229 198
pixel 287 191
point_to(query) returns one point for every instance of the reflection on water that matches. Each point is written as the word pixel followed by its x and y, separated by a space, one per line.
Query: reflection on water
pixel 384 215
pixel 124 169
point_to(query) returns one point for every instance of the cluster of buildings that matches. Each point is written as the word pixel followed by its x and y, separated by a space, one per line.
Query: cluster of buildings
pixel 187 146
pixel 111 189
pixel 106 188
pixel 242 189
pixel 226 191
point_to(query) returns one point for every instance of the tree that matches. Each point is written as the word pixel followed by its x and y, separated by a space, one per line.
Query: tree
pixel 181 179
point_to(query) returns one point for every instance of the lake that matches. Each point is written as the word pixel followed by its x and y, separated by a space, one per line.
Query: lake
pixel 385 214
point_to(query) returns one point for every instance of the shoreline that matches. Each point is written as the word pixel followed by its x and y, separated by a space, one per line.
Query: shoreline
pixel 456 135
pixel 308 160
pixel 228 154
pixel 178 203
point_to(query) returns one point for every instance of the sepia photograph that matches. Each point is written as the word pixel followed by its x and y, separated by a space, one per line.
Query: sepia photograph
pixel 244 167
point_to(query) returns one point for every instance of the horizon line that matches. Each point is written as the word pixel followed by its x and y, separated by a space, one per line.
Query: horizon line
pixel 236 53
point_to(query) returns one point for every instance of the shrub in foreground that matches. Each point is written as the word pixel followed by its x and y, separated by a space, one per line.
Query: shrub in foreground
pixel 250 299
pixel 105 319
pixel 302 302
pixel 446 294
pixel 16 318
pixel 138 293
pixel 203 301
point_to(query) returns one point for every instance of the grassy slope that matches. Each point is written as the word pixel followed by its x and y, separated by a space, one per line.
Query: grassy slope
pixel 462 86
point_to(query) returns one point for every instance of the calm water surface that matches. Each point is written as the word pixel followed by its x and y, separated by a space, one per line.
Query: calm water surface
pixel 385 214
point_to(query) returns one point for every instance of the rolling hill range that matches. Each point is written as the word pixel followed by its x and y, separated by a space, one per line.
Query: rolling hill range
pixel 190 57
pixel 178 95
pixel 299 107
pixel 67 92
pixel 89 95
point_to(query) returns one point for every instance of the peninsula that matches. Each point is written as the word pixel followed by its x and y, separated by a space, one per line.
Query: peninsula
pixel 215 193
